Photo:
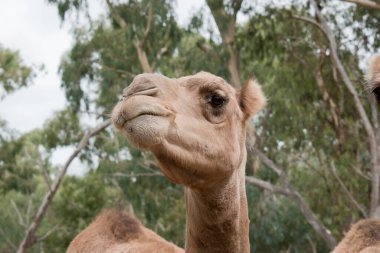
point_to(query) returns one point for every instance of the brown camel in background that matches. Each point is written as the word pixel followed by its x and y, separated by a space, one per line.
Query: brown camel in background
pixel 363 237
pixel 116 231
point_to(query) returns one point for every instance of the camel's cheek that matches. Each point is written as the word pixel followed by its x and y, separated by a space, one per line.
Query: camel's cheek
pixel 146 131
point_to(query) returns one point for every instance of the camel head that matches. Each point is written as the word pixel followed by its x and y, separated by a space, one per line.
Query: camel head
pixel 194 125
pixel 373 77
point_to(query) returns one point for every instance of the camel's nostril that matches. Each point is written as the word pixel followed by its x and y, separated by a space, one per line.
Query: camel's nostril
pixel 144 88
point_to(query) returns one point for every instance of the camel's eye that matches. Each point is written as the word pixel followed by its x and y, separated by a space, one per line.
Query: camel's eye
pixel 216 100
pixel 214 103
pixel 376 91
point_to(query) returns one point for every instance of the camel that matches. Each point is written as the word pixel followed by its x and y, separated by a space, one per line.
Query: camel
pixel 373 77
pixel 195 126
pixel 363 237
pixel 117 231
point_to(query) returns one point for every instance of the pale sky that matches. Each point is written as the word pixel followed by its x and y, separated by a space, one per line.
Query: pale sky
pixel 34 28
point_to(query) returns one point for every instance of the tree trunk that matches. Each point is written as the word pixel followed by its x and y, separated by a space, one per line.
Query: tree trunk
pixel 143 59
pixel 226 24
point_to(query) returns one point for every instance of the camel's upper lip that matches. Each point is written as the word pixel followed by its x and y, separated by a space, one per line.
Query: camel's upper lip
pixel 146 113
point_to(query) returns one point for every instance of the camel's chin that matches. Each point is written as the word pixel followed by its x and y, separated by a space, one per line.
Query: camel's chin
pixel 145 131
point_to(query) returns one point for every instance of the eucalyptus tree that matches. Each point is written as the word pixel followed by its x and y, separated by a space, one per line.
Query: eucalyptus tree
pixel 313 132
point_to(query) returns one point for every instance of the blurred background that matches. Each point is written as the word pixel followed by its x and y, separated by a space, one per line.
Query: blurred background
pixel 312 171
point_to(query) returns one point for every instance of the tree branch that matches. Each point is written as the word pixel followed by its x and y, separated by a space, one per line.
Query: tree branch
pixel 153 174
pixel 226 24
pixel 7 239
pixel 371 137
pixel 267 186
pixel 119 20
pixel 308 20
pixel 334 110
pixel 48 233
pixel 20 218
pixel 290 192
pixel 139 45
pixel 365 3
pixel 202 45
pixel 29 210
pixel 277 169
pixel 148 25
pixel 143 58
pixel 30 236
pixel 119 71
pixel 348 193
pixel 45 175
pixel 164 49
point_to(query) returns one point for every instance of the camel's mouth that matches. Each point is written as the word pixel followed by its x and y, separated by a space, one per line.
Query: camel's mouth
pixel 132 109
pixel 142 124
pixel 122 120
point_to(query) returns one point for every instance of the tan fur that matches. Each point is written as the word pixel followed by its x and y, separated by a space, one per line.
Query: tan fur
pixel 115 231
pixel 197 144
pixel 373 77
pixel 363 237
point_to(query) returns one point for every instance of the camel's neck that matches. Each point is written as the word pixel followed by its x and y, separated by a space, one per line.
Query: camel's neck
pixel 217 219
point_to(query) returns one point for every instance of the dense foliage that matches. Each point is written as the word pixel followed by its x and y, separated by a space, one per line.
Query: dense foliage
pixel 310 127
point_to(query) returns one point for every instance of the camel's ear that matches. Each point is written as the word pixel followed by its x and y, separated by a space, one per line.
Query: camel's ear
pixel 373 77
pixel 251 98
